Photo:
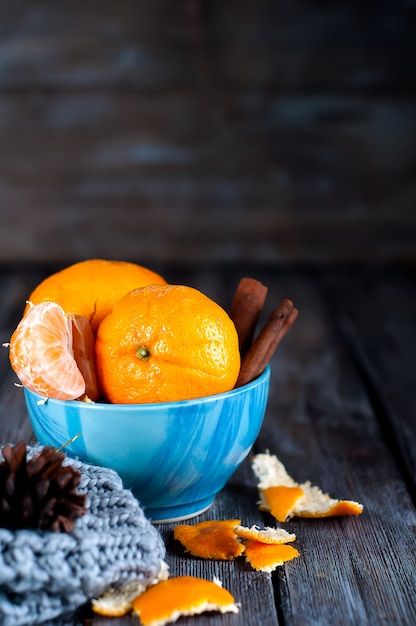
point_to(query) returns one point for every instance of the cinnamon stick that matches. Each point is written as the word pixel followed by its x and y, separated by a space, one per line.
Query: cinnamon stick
pixel 264 345
pixel 245 309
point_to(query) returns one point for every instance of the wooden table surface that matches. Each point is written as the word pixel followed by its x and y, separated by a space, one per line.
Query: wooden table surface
pixel 341 414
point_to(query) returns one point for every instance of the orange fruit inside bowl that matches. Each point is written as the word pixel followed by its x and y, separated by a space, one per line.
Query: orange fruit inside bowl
pixel 159 343
pixel 165 343
pixel 92 287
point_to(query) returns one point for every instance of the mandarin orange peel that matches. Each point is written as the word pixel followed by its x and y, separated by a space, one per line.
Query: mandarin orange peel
pixel 265 535
pixel 266 557
pixel 284 498
pixel 213 539
pixel 168 600
pixel 117 601
pixel 228 539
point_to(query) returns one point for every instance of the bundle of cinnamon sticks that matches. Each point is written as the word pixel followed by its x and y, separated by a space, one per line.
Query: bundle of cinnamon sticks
pixel 257 351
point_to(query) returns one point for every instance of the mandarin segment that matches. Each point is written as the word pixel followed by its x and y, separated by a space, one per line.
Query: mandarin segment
pixel 168 600
pixel 267 557
pixel 92 287
pixel 164 343
pixel 41 353
pixel 214 539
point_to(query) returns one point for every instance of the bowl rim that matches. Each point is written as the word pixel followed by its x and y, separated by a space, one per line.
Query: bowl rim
pixel 154 406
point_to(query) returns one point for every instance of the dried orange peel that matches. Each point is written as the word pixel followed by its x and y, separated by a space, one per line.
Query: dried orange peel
pixel 284 498
pixel 168 600
pixel 266 557
pixel 266 535
pixel 266 549
pixel 281 500
pixel 228 539
pixel 214 539
pixel 117 601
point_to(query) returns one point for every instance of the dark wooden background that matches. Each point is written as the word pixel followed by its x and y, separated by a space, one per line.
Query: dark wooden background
pixel 186 130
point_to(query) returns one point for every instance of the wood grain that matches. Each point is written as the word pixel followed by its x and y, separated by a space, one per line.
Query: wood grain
pixel 378 323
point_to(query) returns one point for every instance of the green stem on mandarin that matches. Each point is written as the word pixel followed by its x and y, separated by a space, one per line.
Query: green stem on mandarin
pixel 143 353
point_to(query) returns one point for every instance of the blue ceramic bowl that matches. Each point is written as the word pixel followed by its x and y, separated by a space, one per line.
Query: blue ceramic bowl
pixel 174 456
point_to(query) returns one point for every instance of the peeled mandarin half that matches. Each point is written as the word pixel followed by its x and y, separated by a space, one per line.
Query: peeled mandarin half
pixel 42 355
pixel 184 595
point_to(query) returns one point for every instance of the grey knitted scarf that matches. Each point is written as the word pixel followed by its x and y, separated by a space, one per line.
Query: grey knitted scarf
pixel 44 574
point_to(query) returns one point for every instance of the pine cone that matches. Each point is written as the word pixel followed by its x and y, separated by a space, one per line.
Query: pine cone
pixel 39 493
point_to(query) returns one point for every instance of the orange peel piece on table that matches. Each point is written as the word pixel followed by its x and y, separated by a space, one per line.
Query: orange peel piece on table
pixel 267 557
pixel 274 483
pixel 168 600
pixel 213 539
pixel 280 500
pixel 266 535
pixel 117 601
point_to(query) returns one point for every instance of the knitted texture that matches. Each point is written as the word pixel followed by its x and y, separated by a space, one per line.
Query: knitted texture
pixel 44 574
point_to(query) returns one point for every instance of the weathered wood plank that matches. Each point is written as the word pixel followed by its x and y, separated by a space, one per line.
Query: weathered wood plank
pixel 126 133
pixel 286 46
pixel 378 320
pixel 14 423
pixel 102 44
pixel 201 131
pixel 229 130
pixel 183 178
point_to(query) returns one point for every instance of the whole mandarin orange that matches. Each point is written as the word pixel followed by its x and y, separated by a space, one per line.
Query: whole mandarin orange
pixel 163 343
pixel 92 287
